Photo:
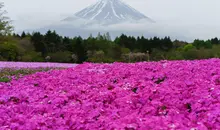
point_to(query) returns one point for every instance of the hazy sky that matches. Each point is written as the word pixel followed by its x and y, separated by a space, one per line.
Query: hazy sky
pixel 196 17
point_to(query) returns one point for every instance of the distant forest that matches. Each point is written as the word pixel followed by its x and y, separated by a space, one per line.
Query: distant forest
pixel 51 47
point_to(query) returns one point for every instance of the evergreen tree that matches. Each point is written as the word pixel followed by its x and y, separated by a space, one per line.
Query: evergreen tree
pixel 23 35
pixel 104 37
pixel 80 50
pixel 53 41
pixel 108 37
pixel 28 34
pixel 16 35
pixel 38 40
pixel 90 36
pixel 167 44
pixel 67 43
pixel 99 36
pixel 215 41
pixel 202 44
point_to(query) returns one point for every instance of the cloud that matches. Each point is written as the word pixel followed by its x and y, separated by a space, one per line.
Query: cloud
pixel 183 31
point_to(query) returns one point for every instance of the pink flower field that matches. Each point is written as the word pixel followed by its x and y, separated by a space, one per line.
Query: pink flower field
pixel 165 95
pixel 33 65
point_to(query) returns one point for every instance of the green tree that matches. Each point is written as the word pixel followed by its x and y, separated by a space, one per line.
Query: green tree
pixel 208 44
pixel 215 40
pixel 80 50
pixel 32 56
pixel 178 44
pixel 5 23
pixel 38 40
pixel 99 36
pixel 108 37
pixel 188 47
pixel 9 51
pixel 61 56
pixel 166 44
pixel 114 52
pixel 67 43
pixel 127 42
pixel 23 35
pixel 202 44
pixel 53 41
pixel 125 50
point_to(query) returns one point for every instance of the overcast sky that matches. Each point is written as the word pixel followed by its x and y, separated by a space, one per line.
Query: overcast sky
pixel 188 15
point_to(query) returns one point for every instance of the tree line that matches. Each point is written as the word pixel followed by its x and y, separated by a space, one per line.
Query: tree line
pixel 52 47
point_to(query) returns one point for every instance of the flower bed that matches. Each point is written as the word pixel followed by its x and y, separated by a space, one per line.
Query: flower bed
pixel 34 65
pixel 142 96
pixel 15 70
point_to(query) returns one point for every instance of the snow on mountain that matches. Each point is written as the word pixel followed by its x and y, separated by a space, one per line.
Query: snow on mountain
pixel 118 16
pixel 106 12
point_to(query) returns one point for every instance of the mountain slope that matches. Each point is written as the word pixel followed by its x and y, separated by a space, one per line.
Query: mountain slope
pixel 118 16
pixel 107 12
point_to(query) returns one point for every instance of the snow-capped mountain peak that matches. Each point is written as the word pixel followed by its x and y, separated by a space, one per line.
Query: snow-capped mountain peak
pixel 109 12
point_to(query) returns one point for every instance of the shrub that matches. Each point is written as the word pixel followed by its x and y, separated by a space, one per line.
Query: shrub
pixel 175 55
pixel 9 51
pixel 125 50
pixel 98 56
pixel 74 58
pixel 157 55
pixel 27 58
pixel 188 47
pixel 32 56
pixel 61 56
pixel 135 57
pixel 2 59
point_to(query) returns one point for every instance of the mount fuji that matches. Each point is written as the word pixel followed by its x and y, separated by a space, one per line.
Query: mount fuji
pixel 113 16
pixel 107 12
